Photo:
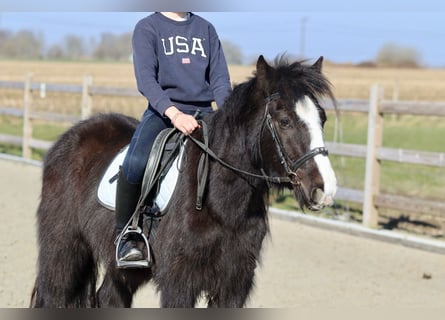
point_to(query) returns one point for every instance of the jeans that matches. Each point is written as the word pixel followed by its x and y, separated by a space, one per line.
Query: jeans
pixel 152 123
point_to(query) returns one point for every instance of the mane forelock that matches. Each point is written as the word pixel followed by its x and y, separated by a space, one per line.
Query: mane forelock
pixel 303 75
pixel 245 100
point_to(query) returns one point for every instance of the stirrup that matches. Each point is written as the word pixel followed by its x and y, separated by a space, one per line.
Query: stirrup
pixel 144 263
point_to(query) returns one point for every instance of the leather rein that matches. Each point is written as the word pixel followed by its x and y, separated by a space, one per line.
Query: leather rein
pixel 267 122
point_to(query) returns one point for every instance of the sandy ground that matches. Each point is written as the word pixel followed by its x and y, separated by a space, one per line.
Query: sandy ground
pixel 302 266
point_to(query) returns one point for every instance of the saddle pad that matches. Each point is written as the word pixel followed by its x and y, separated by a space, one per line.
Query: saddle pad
pixel 106 192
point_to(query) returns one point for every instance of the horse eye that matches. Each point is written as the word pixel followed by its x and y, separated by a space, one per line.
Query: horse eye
pixel 284 122
pixel 323 117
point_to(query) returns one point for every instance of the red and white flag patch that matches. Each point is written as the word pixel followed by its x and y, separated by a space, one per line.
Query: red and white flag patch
pixel 185 60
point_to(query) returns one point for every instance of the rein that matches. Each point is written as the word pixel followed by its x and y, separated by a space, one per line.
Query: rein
pixel 205 147
pixel 290 168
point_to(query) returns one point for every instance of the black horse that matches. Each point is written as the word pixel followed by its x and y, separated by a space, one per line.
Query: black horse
pixel 269 130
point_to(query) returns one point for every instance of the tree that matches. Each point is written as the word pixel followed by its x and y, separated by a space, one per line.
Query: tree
pixel 113 47
pixel 5 36
pixel 55 52
pixel 24 44
pixel 394 55
pixel 74 47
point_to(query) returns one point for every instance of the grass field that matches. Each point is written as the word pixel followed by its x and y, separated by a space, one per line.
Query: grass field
pixel 409 132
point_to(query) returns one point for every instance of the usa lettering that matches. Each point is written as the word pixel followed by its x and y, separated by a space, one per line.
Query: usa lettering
pixel 180 44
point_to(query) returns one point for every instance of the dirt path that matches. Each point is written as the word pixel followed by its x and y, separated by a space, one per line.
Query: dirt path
pixel 302 266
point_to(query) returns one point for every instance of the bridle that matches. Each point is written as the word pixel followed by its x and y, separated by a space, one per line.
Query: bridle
pixel 290 167
pixel 267 122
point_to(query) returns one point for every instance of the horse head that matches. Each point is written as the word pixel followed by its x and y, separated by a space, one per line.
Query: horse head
pixel 291 139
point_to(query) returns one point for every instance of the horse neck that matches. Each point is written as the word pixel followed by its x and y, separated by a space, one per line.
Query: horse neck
pixel 235 140
pixel 236 143
pixel 240 200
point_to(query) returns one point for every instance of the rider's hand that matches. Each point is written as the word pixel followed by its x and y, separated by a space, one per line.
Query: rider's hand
pixel 183 122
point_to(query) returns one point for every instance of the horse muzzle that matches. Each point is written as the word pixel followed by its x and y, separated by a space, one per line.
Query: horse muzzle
pixel 314 192
pixel 319 199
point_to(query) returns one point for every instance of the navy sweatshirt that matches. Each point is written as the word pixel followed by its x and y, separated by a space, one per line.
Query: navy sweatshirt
pixel 179 63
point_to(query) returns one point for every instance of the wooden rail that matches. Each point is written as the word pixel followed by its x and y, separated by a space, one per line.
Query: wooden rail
pixel 373 152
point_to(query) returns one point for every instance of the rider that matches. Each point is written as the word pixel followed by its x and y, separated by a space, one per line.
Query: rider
pixel 180 67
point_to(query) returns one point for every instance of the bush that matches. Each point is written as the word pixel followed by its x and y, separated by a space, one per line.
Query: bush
pixel 394 55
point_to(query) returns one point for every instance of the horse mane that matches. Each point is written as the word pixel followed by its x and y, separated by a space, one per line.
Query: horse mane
pixel 301 75
pixel 300 78
pixel 297 77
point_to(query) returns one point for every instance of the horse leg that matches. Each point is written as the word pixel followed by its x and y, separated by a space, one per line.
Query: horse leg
pixel 114 293
pixel 233 291
pixel 179 287
pixel 66 275
pixel 178 296
pixel 222 300
pixel 119 286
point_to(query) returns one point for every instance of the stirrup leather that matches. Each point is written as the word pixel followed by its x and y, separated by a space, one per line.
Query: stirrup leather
pixel 144 263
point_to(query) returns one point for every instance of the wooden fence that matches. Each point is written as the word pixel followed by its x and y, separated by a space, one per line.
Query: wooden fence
pixel 373 152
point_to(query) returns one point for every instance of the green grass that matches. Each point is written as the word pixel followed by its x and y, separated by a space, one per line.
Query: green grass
pixel 415 133
pixel 405 132
pixel 37 154
pixel 48 132
pixel 41 131
pixel 413 180
pixel 11 125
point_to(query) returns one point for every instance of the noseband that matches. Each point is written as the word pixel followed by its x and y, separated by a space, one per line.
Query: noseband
pixel 290 167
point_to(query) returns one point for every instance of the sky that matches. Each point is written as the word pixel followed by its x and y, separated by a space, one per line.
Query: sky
pixel 341 31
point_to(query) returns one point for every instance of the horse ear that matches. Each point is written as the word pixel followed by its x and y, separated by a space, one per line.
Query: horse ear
pixel 262 69
pixel 318 64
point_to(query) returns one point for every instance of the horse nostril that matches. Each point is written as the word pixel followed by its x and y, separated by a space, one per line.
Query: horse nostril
pixel 317 195
pixel 328 201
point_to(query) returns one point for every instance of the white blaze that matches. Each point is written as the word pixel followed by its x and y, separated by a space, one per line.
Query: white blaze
pixel 308 113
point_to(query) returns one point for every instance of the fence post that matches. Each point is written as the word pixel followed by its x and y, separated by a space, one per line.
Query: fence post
pixel 372 175
pixel 87 103
pixel 27 125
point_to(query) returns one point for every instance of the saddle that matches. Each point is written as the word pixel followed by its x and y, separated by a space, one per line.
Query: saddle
pixel 162 169
pixel 159 182
pixel 166 154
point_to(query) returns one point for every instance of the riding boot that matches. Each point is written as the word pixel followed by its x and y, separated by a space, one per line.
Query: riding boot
pixel 127 196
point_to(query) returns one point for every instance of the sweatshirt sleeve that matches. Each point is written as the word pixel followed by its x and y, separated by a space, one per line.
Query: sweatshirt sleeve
pixel 219 73
pixel 145 67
